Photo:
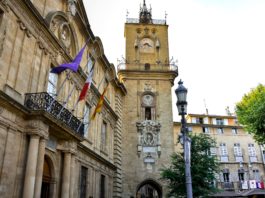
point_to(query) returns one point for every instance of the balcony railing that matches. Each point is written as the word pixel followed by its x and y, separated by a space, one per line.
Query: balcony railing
pixel 154 21
pixel 44 102
pixel 148 67
pixel 227 185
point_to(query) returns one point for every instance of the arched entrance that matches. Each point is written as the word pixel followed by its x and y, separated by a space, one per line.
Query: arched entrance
pixel 47 179
pixel 149 189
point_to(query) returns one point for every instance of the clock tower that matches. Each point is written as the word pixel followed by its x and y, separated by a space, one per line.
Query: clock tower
pixel 147 135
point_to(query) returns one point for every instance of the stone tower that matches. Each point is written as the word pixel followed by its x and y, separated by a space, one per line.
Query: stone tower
pixel 147 140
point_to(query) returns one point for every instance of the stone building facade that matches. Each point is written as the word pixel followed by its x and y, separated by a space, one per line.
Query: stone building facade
pixel 48 147
pixel 148 75
pixel 241 158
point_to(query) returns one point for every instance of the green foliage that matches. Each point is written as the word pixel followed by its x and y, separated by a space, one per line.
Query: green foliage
pixel 203 169
pixel 251 113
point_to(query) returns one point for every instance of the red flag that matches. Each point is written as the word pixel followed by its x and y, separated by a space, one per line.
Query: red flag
pixel 100 103
pixel 87 85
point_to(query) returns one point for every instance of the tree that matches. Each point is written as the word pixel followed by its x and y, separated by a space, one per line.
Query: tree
pixel 251 113
pixel 204 167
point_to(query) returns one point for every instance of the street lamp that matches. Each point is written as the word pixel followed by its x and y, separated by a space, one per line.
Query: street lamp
pixel 181 93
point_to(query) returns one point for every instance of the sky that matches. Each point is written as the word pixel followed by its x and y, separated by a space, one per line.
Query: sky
pixel 219 45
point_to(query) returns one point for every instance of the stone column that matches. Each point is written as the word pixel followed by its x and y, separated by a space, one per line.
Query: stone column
pixel 66 175
pixel 30 175
pixel 39 171
pixel 72 180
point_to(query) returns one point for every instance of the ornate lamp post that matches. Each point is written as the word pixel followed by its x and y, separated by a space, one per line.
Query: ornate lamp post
pixel 181 93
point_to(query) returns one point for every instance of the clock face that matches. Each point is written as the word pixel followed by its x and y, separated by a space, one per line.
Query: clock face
pixel 148 99
pixel 147 45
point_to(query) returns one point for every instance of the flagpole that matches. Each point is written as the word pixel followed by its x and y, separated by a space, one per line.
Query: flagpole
pixel 83 119
pixel 78 97
pixel 64 103
pixel 77 61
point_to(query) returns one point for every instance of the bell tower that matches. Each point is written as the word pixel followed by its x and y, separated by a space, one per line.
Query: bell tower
pixel 147 136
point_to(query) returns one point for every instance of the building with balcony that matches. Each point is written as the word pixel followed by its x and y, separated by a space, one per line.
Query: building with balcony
pixel 241 158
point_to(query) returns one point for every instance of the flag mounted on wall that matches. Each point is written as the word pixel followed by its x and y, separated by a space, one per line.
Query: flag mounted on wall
pixel 72 65
pixel 87 84
pixel 100 103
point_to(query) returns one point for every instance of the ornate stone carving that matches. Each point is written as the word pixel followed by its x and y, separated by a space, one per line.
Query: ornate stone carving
pixel 24 28
pixel 148 137
pixel 72 7
pixel 60 26
pixel 65 34
pixel 147 86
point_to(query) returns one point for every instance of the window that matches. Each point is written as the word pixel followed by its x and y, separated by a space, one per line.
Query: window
pixel 256 174
pixel 147 66
pixel 52 84
pixel 226 176
pixel 199 120
pixel 219 121
pixel 102 186
pixel 83 182
pixel 148 115
pixel 241 175
pixel 220 130
pixel 103 136
pixel 223 152
pixel 90 63
pixel 86 119
pixel 252 153
pixel 205 130
pixel 213 151
pixel 238 153
pixel 234 131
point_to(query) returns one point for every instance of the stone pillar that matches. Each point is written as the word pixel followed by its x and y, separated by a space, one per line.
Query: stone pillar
pixel 66 175
pixel 30 175
pixel 72 179
pixel 39 171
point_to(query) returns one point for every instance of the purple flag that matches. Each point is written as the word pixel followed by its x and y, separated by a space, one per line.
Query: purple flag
pixel 72 65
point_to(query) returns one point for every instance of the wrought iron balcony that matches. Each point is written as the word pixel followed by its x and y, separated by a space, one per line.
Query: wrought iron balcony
pixel 154 21
pixel 44 102
pixel 148 67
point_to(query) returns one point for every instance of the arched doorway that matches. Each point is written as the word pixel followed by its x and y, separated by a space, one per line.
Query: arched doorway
pixel 47 179
pixel 149 189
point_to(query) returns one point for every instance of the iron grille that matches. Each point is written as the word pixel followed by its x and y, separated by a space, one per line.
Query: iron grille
pixel 43 101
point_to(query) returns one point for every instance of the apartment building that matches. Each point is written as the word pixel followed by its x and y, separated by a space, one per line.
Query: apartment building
pixel 241 158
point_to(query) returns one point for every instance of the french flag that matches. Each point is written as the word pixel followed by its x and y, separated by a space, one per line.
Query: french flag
pixel 260 185
pixel 87 85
